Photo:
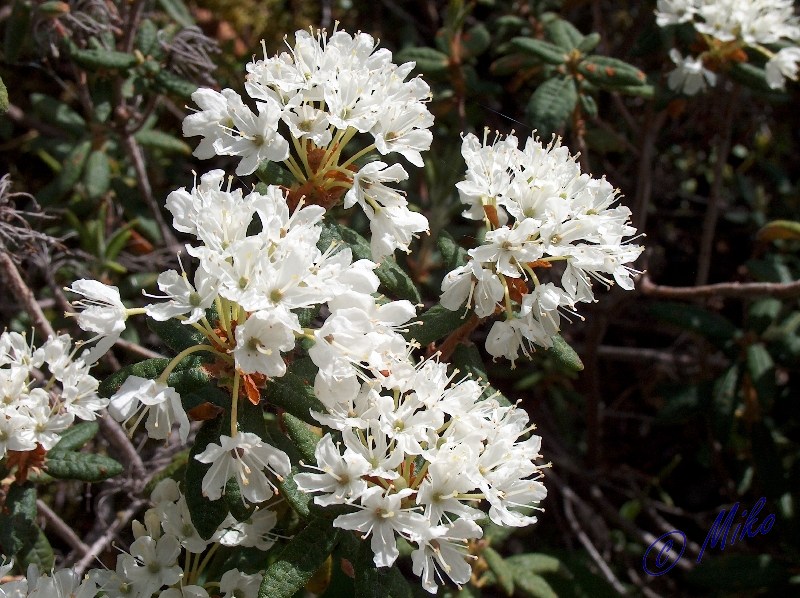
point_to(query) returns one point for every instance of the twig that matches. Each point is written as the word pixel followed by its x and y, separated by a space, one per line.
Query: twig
pixel 103 541
pixel 135 154
pixel 741 290
pixel 61 528
pixel 587 544
pixel 138 349
pixel 714 197
pixel 644 178
pixel 117 438
pixel 24 295
pixel 459 336
pixel 18 116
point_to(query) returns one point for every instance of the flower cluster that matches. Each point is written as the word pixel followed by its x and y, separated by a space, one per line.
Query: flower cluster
pixel 42 391
pixel 409 451
pixel 418 454
pixel 726 27
pixel 166 530
pixel 542 214
pixel 321 94
pixel 258 266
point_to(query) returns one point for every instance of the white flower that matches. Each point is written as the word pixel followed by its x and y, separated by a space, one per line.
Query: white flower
pixel 102 312
pixel 690 76
pixel 783 66
pixel 184 592
pixel 672 12
pixel 340 477
pixel 151 563
pixel 162 404
pixel 183 297
pixel 245 458
pixel 254 532
pixel 235 584
pixel 259 342
pixel 212 122
pixel 509 247
pixel 255 137
pixel 444 547
pixel 380 517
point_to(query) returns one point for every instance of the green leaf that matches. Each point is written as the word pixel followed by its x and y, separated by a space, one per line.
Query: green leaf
pixel 294 391
pixel 19 531
pixel 174 84
pixel 303 437
pixel 392 277
pixel 149 368
pixel 610 73
pixel 453 255
pixel 755 78
pixel 147 37
pixel 40 553
pixel 272 173
pixel 378 582
pixel 779 229
pixel 552 104
pixel 427 60
pixel 512 64
pixel 589 43
pixel 3 97
pixel 724 403
pixel 565 355
pixel 72 168
pixel 236 503
pixel 536 563
pixel 588 105
pixel 298 500
pixel 206 514
pixel 716 328
pixel 176 335
pixel 544 51
pixel 59 113
pixel 86 467
pixel 563 33
pixel 467 358
pixel 499 566
pixel 178 11
pixel 118 240
pixel 642 91
pixel 476 40
pixel 299 560
pixel 102 59
pixel 163 141
pixel 436 323
pixel 74 437
pixel 18 30
pixel 534 586
pixel 762 372
pixel 97 175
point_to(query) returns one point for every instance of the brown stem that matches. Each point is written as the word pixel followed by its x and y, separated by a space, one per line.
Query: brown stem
pixel 117 438
pixel 741 290
pixel 458 337
pixel 644 180
pixel 714 198
pixel 63 530
pixel 24 295
pixel 137 159
pixel 99 545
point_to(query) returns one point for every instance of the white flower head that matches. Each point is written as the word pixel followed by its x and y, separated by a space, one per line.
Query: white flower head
pixel 247 459
pixel 102 313
pixel 161 403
